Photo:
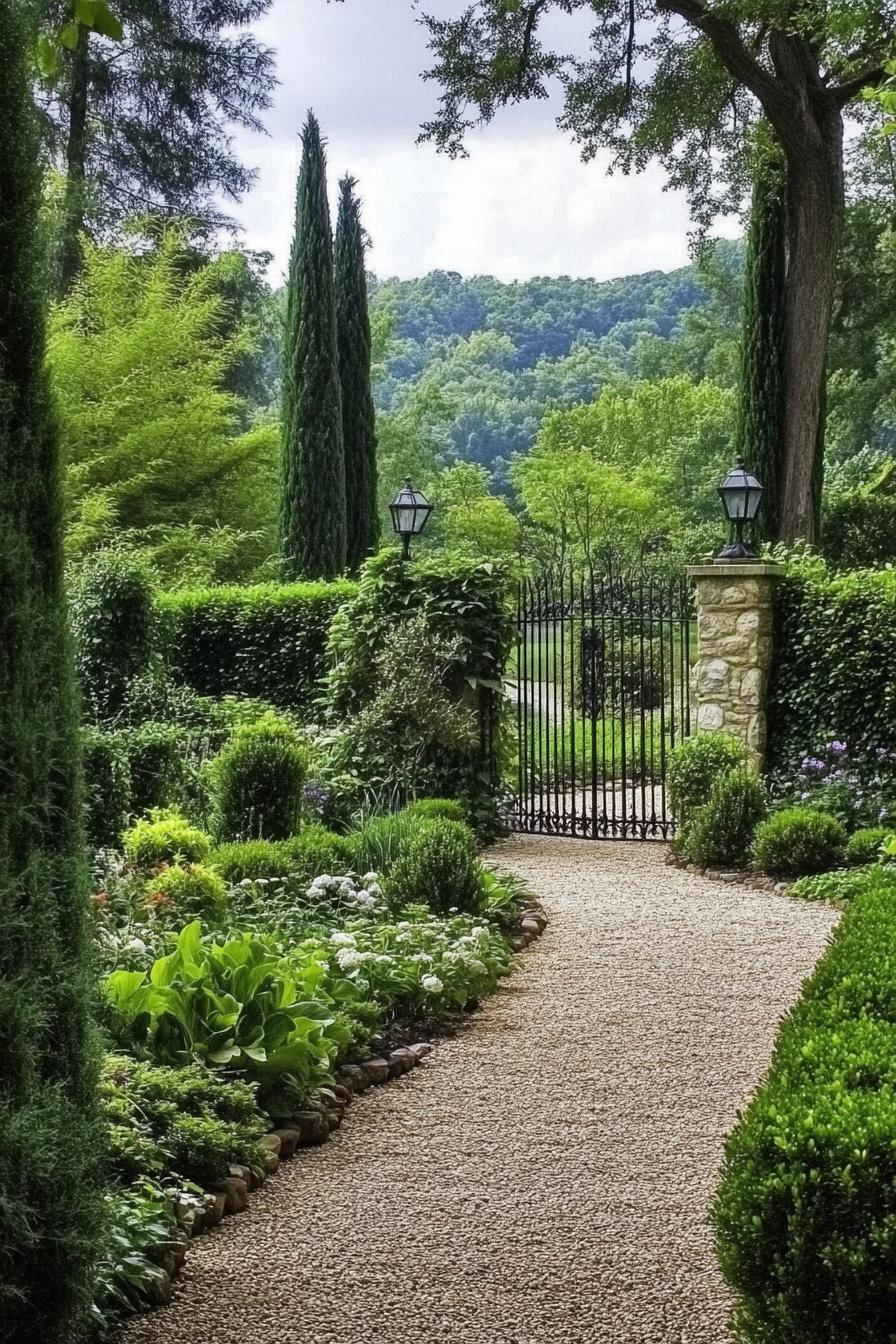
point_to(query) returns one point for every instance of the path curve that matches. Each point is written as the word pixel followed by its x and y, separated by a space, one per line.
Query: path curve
pixel 544 1178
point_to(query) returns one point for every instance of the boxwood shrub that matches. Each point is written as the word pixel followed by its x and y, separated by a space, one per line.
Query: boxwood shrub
pixel 799 840
pixel 257 782
pixel 721 831
pixel 439 866
pixel 268 642
pixel 695 765
pixel 806 1209
pixel 864 845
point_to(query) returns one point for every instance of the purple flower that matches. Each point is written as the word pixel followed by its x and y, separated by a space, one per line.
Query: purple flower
pixel 838 748
pixel 812 763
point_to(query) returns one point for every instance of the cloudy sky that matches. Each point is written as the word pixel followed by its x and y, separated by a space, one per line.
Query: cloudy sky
pixel 522 204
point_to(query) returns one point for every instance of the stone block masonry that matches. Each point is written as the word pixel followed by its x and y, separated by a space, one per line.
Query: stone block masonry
pixel 734 650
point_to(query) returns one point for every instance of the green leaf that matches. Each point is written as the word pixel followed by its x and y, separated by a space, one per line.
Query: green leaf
pixel 47 56
pixel 107 23
pixel 68 35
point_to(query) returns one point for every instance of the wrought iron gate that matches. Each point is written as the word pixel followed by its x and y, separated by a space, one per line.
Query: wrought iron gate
pixel 602 686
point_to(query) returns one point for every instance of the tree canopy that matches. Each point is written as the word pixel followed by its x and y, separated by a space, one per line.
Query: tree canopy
pixel 682 81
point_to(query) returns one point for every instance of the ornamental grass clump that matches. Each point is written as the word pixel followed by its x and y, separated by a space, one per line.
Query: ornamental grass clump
pixel 798 841
pixel 805 1213
pixel 258 781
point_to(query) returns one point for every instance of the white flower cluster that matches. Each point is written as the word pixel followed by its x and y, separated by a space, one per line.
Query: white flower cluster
pixel 367 897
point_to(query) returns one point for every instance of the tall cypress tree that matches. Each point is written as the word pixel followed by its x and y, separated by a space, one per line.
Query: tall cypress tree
pixel 358 414
pixel 760 423
pixel 48 1200
pixel 312 519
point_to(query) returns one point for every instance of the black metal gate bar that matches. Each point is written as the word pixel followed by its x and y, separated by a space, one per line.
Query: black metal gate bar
pixel 603 679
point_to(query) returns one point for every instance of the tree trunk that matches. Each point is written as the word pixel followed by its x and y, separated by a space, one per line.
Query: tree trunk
pixel 70 254
pixel 814 223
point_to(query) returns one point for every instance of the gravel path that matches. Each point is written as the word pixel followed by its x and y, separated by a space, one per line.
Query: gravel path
pixel 544 1178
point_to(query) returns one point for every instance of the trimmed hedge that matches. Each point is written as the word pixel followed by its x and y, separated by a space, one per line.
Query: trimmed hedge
pixel 806 1210
pixel 833 667
pixel 268 641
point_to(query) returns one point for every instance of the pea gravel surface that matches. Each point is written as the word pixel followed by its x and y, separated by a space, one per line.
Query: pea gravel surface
pixel 545 1176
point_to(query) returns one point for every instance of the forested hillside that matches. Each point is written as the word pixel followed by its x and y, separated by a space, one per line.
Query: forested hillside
pixel 480 361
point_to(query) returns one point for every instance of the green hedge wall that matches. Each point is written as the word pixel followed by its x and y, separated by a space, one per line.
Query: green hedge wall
pixel 806 1210
pixel 835 641
pixel 268 641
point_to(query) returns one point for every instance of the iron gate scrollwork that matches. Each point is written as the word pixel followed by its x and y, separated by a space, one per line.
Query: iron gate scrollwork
pixel 602 688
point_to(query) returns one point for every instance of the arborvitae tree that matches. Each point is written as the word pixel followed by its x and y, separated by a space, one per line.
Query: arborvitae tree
pixel 760 418
pixel 48 1151
pixel 312 520
pixel 358 414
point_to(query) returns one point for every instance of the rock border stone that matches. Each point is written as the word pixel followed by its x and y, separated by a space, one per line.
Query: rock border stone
pixel 745 877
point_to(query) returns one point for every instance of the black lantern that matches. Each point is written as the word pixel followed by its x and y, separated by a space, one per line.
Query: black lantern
pixel 741 495
pixel 410 511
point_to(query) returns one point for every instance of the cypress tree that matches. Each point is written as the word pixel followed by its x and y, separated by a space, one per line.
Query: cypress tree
pixel 358 415
pixel 312 521
pixel 760 423
pixel 48 1151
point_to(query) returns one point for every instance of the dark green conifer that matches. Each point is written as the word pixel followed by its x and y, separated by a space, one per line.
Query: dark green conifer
pixel 358 414
pixel 49 1203
pixel 760 422
pixel 312 529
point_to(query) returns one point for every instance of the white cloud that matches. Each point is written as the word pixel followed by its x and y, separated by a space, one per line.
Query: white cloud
pixel 523 204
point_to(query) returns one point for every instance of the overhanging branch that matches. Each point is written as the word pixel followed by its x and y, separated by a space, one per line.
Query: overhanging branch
pixel 734 55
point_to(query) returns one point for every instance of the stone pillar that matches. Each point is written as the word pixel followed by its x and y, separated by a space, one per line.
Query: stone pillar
pixel 734 649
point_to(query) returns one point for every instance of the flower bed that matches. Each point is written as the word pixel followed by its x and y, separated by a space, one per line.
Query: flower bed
pixel 244 1013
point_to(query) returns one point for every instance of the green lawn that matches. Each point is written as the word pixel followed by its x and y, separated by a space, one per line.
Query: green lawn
pixel 563 749
pixel 548 657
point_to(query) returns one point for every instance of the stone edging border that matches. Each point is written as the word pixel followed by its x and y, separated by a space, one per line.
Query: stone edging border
pixel 308 1128
pixel 742 876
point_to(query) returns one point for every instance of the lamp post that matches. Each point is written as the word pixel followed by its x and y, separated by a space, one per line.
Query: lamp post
pixel 410 510
pixel 741 495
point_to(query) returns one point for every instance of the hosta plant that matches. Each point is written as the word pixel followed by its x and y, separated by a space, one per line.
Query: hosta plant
pixel 239 1004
